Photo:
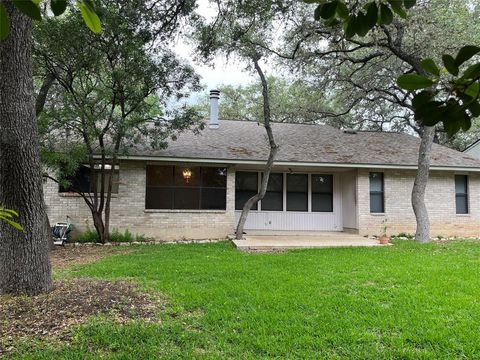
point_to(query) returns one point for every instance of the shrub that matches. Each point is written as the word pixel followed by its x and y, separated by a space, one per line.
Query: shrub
pixel 127 236
pixel 90 236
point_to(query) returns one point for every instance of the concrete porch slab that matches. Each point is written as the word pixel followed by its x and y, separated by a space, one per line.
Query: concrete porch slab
pixel 283 241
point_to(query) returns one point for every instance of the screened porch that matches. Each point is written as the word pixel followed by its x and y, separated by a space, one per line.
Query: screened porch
pixel 299 200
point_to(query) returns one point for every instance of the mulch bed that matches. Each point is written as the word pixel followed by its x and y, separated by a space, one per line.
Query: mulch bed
pixel 72 302
pixel 65 257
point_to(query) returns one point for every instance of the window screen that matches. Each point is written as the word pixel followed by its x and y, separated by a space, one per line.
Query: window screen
pixel 376 193
pixel 461 194
pixel 273 200
pixel 322 193
pixel 297 192
pixel 246 186
pixel 186 188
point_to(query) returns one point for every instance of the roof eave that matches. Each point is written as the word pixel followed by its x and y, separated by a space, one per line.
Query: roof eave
pixel 294 163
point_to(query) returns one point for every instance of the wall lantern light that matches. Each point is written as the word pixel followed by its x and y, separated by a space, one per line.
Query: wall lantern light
pixel 187 174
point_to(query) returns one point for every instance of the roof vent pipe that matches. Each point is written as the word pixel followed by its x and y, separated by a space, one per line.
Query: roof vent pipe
pixel 214 96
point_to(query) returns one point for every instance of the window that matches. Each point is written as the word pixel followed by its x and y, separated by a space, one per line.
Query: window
pixel 82 181
pixel 273 200
pixel 186 188
pixel 376 193
pixel 297 192
pixel 461 194
pixel 322 193
pixel 246 186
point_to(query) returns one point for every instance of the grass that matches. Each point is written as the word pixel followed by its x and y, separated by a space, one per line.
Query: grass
pixel 406 301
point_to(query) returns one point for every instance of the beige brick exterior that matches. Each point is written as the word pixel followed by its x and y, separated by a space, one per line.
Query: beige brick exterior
pixel 128 207
pixel 440 199
pixel 128 210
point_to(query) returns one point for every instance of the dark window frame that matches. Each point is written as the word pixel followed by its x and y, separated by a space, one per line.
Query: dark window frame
pixel 76 187
pixel 175 187
pixel 376 192
pixel 462 195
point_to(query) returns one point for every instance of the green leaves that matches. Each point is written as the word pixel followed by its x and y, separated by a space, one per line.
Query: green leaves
pixel 449 63
pixel 429 66
pixel 89 15
pixel 7 215
pixel 342 10
pixel 326 11
pixel 58 6
pixel 409 3
pixel 29 8
pixel 472 72
pixel 397 8
pixel 454 103
pixel 386 15
pixel 372 15
pixel 414 82
pixel 466 53
pixel 360 22
pixel 4 23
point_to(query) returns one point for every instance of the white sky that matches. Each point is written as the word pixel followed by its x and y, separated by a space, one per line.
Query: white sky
pixel 219 71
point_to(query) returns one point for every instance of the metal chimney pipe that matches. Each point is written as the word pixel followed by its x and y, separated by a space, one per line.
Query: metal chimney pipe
pixel 214 96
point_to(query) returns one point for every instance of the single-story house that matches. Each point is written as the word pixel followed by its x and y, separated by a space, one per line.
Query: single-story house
pixel 324 179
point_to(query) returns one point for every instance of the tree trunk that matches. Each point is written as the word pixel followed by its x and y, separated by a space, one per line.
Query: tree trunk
pixel 257 197
pixel 422 234
pixel 24 263
pixel 99 226
pixel 271 157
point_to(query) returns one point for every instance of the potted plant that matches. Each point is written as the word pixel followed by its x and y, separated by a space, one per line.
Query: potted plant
pixel 384 238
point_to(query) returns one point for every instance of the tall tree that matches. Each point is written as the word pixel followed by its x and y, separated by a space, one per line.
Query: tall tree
pixel 291 100
pixel 243 30
pixel 388 41
pixel 24 262
pixel 113 90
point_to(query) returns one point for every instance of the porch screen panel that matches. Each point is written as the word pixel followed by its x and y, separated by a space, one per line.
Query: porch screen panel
pixel 159 191
pixel 297 192
pixel 213 193
pixel 273 200
pixel 246 186
pixel 377 204
pixel 186 195
pixel 186 188
pixel 322 193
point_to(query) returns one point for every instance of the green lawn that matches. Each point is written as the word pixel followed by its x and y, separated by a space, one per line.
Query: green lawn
pixel 402 301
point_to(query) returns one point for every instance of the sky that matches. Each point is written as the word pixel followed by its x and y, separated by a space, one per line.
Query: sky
pixel 220 71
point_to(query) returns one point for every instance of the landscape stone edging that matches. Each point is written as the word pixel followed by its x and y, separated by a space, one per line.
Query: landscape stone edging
pixel 155 242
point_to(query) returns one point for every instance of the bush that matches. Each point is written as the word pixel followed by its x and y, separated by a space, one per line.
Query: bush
pixel 90 236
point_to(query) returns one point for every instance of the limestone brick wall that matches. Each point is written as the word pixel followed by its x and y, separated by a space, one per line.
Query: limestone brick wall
pixel 440 199
pixel 128 210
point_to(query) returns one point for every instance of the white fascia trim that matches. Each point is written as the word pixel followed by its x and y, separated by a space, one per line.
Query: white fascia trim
pixel 293 163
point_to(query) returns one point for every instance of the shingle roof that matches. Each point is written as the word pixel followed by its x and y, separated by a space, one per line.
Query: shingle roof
pixel 245 140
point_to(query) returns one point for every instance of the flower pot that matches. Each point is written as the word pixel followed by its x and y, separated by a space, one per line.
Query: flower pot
pixel 384 239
